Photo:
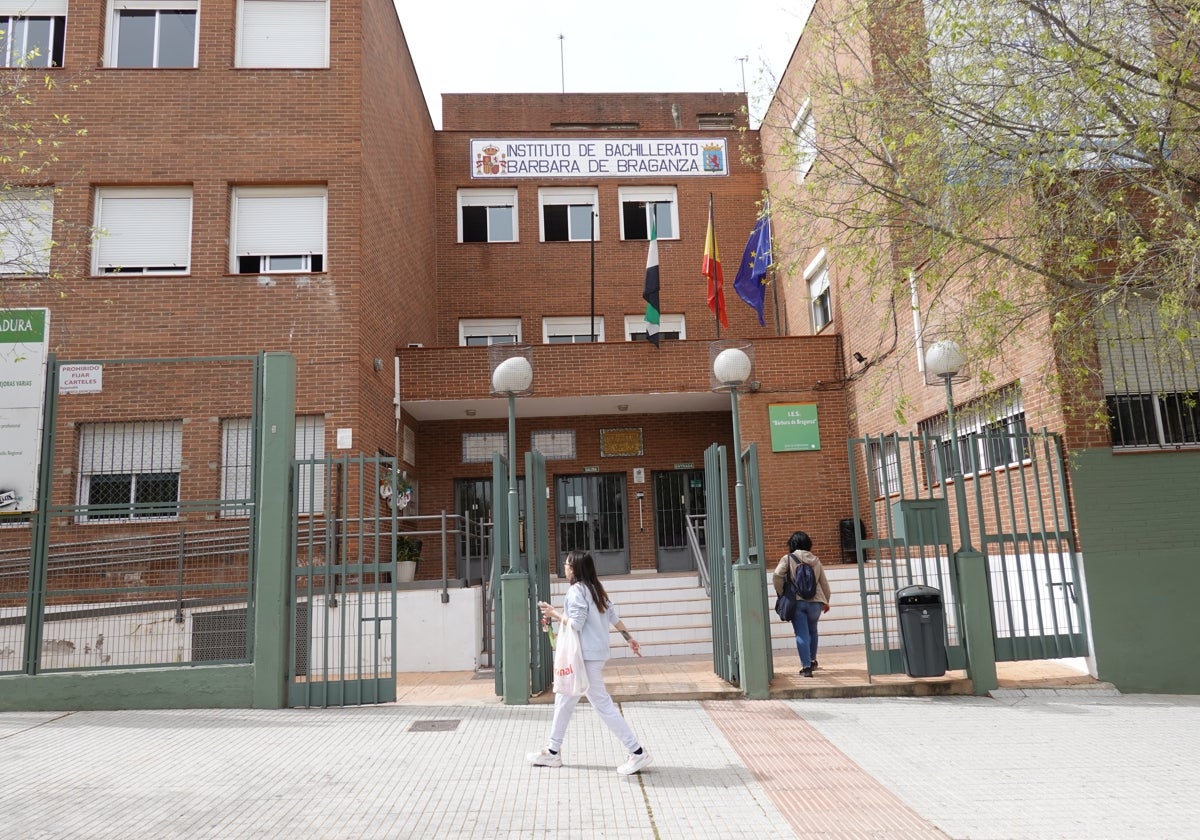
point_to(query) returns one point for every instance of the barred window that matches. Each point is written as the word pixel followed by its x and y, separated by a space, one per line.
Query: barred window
pixel 130 471
pixel 236 462
pixel 884 455
pixel 990 432
pixel 478 447
pixel 1151 388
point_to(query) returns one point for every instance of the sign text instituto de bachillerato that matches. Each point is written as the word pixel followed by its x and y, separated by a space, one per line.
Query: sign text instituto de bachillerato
pixel 593 157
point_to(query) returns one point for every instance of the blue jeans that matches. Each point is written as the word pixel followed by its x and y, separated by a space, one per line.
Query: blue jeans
pixel 804 623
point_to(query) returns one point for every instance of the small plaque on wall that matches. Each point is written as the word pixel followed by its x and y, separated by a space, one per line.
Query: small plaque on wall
pixel 620 443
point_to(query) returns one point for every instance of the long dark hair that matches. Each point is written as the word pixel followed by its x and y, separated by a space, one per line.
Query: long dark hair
pixel 585 573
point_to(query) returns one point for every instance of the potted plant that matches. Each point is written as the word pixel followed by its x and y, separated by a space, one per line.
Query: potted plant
pixel 408 553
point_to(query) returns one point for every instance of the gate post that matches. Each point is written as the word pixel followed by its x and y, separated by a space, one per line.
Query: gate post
pixel 514 605
pixel 975 609
pixel 276 445
pixel 753 644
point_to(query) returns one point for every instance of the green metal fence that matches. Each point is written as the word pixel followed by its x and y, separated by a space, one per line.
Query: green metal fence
pixel 717 546
pixel 139 551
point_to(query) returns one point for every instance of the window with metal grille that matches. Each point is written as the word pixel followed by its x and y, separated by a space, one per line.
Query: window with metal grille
pixel 1151 386
pixel 236 464
pixel 130 471
pixel 884 455
pixel 990 433
pixel 478 447
pixel 555 446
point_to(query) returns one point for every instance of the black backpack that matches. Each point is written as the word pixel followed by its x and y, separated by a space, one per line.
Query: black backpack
pixel 806 580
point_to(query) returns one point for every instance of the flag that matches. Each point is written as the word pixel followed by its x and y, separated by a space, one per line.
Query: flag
pixel 650 290
pixel 711 268
pixel 755 261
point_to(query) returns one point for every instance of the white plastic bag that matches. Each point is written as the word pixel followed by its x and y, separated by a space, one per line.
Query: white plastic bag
pixel 570 675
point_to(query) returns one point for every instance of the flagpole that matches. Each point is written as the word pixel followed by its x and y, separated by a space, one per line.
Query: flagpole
pixel 774 285
pixel 713 222
pixel 593 248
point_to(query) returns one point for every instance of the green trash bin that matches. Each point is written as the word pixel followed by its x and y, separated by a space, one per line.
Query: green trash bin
pixel 922 630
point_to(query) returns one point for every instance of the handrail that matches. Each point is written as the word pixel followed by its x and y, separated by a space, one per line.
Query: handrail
pixel 695 525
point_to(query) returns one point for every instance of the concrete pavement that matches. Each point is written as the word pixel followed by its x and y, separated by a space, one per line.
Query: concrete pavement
pixel 1073 762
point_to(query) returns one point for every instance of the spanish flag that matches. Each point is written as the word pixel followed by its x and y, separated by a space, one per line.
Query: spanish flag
pixel 711 268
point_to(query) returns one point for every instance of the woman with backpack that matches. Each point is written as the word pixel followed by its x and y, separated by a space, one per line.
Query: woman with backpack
pixel 812 595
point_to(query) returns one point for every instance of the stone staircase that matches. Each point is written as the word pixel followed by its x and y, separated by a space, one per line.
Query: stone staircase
pixel 670 615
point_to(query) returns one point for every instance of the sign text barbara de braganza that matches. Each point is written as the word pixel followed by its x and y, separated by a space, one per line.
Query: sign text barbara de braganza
pixel 585 157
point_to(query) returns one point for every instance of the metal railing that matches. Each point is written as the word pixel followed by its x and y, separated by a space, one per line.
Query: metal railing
pixel 695 539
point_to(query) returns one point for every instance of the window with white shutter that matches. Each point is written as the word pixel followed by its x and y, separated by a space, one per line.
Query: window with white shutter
pixel 143 231
pixel 153 33
pixel 278 229
pixel 26 219
pixel 283 33
pixel 236 463
pixel 130 471
pixel 32 32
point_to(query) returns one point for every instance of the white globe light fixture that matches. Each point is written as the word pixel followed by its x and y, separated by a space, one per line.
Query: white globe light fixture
pixel 512 376
pixel 944 359
pixel 732 367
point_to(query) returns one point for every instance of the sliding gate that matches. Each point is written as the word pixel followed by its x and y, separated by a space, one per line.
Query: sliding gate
pixel 1016 511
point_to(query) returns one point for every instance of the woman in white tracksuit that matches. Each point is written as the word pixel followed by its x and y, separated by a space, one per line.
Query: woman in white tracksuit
pixel 591 614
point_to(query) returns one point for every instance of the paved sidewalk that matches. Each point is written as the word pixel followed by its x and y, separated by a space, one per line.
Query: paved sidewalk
pixel 1063 764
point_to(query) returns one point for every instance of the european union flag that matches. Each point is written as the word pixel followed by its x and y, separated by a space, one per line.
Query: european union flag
pixel 753 268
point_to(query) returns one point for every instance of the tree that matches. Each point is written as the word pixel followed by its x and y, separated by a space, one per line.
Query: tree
pixel 32 131
pixel 1021 160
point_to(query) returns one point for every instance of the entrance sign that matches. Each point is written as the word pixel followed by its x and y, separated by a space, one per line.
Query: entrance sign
pixel 24 336
pixel 794 428
pixel 591 157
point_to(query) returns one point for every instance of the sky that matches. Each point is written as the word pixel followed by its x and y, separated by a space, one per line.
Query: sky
pixel 669 46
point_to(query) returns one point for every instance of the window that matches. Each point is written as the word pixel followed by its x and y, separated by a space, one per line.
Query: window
pixel 640 204
pixel 143 231
pixel 715 122
pixel 236 448
pixel 153 33
pixel 669 327
pixel 804 140
pixel 481 332
pixel 479 447
pixel 130 471
pixel 26 218
pixel 1152 393
pixel 991 433
pixel 568 213
pixel 818 293
pixel 278 229
pixel 571 330
pixel 34 32
pixel 283 33
pixel 487 215
pixel 884 455
pixel 554 446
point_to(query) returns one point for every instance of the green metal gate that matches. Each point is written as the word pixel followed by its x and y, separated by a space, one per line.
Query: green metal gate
pixel 343 582
pixel 720 565
pixel 1017 511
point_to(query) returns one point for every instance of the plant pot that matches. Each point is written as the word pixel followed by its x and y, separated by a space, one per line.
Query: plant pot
pixel 406 570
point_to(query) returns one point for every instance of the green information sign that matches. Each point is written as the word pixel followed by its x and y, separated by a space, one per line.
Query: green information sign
pixel 794 428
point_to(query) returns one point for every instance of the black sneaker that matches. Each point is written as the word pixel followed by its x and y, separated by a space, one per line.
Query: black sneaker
pixel 814 665
pixel 806 672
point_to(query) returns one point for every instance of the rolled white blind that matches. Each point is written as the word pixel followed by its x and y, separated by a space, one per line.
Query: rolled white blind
pixel 284 33
pixel 273 223
pixel 1134 358
pixel 34 8
pixel 26 220
pixel 141 228
pixel 116 448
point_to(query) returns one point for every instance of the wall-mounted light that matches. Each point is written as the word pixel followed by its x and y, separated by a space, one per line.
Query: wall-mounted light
pixel 622 407
pixel 860 358
pixel 470 412
pixel 378 364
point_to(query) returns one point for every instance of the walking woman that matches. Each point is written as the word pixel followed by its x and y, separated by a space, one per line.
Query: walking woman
pixel 808 610
pixel 591 614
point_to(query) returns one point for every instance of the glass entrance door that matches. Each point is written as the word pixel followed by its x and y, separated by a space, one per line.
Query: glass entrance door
pixel 678 494
pixel 591 516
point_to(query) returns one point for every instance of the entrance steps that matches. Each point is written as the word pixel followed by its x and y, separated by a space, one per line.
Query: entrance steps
pixel 670 614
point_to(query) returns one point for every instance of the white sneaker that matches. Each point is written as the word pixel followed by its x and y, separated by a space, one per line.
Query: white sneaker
pixel 545 758
pixel 635 763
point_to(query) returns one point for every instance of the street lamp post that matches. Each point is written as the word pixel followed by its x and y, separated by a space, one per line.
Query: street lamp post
pixel 945 360
pixel 512 374
pixel 731 368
